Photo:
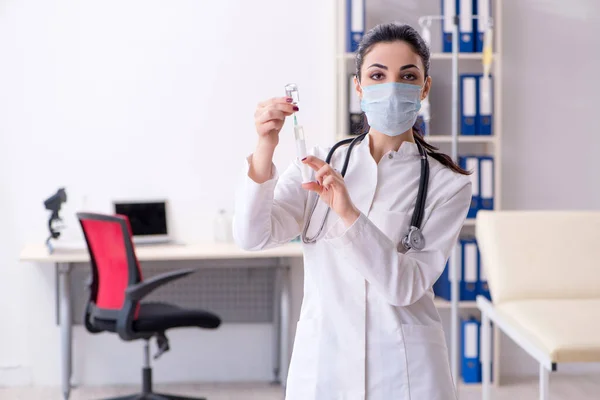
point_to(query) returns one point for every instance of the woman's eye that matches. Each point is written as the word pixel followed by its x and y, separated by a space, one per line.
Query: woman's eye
pixel 376 76
pixel 409 77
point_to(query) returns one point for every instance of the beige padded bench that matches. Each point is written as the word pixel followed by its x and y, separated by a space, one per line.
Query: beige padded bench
pixel 543 271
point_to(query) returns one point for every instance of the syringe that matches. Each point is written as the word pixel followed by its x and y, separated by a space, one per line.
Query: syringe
pixel 291 90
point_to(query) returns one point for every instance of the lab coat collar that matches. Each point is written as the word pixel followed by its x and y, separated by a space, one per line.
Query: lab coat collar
pixel 406 148
pixel 362 177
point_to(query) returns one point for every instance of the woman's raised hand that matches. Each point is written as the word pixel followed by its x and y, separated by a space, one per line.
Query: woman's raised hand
pixel 270 116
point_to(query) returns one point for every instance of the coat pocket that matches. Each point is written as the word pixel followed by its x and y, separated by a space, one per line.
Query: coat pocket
pixel 303 368
pixel 429 373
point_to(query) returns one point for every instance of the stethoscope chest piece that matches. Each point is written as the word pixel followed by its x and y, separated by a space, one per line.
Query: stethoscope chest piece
pixel 414 239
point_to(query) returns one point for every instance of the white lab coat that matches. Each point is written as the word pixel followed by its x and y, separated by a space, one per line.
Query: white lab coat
pixel 368 326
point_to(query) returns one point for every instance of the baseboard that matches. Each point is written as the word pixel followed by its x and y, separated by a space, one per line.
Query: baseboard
pixel 15 375
pixel 578 369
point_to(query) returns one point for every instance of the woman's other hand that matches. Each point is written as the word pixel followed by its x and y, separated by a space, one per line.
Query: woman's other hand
pixel 330 186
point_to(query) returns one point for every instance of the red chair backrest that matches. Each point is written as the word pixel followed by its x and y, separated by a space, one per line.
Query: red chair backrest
pixel 112 256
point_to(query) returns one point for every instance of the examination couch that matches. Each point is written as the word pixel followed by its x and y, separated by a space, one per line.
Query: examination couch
pixel 543 272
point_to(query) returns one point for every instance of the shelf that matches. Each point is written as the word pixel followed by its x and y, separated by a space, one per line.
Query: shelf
pixel 447 71
pixel 443 303
pixel 434 56
pixel 469 386
pixel 461 56
pixel 448 138
pixel 347 56
pixel 461 138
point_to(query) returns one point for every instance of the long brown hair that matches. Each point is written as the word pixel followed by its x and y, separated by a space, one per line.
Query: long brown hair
pixel 392 32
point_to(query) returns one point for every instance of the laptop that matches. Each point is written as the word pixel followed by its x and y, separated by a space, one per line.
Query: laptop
pixel 148 220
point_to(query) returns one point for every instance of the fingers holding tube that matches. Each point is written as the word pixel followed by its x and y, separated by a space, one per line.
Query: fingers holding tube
pixel 327 171
pixel 270 115
pixel 314 162
pixel 321 168
pixel 324 172
pixel 313 187
pixel 283 104
pixel 330 182
pixel 275 100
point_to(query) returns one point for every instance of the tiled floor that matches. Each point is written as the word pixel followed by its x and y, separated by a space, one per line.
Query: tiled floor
pixel 561 388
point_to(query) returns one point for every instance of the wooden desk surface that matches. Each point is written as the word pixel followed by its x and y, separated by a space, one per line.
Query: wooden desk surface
pixel 164 252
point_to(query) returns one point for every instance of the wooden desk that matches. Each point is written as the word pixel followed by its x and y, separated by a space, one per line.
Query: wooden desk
pixel 64 259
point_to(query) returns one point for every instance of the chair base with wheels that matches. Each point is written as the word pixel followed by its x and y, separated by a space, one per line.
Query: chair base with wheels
pixel 147 391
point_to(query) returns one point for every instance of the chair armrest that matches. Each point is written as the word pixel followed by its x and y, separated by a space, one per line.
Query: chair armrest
pixel 140 290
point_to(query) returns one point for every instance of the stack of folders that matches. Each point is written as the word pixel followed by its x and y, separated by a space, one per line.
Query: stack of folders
pixel 470 29
pixel 482 181
pixel 354 110
pixel 471 276
pixel 476 104
pixel 355 23
pixel 422 126
pixel 471 365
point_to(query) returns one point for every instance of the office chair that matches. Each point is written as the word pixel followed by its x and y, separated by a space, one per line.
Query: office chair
pixel 117 290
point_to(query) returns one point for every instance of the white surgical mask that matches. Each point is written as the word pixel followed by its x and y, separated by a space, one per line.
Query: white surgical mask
pixel 391 108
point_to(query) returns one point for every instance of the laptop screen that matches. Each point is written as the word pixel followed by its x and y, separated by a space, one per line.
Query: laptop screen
pixel 146 219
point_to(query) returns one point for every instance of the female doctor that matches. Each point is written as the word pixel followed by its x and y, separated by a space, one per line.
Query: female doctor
pixel 368 326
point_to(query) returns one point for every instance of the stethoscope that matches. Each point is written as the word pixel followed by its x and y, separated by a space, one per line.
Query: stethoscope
pixel 414 238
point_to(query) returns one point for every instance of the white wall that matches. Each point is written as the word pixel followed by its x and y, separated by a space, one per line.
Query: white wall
pixel 551 137
pixel 148 98
pixel 140 99
pixel 551 86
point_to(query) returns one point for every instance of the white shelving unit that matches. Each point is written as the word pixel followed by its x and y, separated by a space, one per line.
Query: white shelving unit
pixel 486 145
pixel 434 56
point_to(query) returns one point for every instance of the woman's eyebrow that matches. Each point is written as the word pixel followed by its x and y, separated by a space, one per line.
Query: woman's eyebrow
pixel 378 66
pixel 407 66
